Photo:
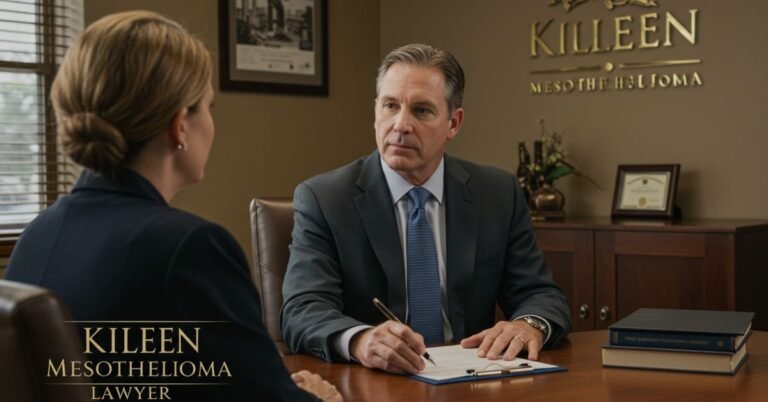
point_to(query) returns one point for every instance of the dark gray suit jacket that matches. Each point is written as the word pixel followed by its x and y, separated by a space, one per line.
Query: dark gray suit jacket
pixel 346 250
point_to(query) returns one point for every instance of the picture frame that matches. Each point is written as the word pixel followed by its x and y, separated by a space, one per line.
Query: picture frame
pixel 274 46
pixel 646 191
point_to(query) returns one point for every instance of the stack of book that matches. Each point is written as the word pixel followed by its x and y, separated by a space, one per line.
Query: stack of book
pixel 681 340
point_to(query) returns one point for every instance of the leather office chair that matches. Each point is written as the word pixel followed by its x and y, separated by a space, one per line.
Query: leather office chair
pixel 271 226
pixel 32 331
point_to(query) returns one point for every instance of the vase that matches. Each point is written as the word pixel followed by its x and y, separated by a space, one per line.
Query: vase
pixel 548 202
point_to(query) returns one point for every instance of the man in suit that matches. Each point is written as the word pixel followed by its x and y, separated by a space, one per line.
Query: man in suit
pixel 438 239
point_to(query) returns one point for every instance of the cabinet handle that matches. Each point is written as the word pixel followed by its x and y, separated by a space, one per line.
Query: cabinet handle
pixel 584 311
pixel 605 313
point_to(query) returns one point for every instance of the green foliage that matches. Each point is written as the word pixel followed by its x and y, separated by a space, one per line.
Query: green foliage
pixel 557 172
pixel 554 164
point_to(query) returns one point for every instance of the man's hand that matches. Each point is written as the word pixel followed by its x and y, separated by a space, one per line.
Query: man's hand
pixel 391 346
pixel 507 338
pixel 315 385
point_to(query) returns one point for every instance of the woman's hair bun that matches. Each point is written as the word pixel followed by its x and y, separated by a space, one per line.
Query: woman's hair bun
pixel 92 142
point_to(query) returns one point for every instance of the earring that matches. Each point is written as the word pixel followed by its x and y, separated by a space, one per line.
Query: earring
pixel 181 146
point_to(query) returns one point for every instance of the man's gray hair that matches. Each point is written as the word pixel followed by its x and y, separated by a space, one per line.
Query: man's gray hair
pixel 427 56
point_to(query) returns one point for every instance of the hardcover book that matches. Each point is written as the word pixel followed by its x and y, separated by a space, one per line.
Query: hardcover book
pixel 674 359
pixel 705 330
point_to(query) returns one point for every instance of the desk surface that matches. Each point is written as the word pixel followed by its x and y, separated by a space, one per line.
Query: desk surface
pixel 585 380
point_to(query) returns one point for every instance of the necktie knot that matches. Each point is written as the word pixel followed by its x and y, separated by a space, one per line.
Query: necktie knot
pixel 419 197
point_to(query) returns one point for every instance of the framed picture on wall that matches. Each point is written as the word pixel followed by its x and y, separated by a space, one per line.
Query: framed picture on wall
pixel 274 46
pixel 647 191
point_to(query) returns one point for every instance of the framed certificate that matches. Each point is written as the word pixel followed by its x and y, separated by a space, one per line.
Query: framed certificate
pixel 276 46
pixel 646 191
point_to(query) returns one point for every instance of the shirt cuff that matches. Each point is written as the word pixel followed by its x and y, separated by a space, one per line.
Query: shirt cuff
pixel 341 341
pixel 549 327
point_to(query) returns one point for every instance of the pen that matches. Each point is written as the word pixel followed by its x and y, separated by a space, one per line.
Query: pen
pixel 391 316
pixel 505 370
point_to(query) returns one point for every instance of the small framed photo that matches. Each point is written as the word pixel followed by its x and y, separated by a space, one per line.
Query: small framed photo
pixel 274 46
pixel 647 191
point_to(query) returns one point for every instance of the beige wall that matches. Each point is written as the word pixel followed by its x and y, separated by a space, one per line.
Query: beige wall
pixel 718 132
pixel 266 144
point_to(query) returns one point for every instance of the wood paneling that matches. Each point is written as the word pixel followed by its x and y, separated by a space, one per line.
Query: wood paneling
pixel 569 254
pixel 621 266
pixel 656 244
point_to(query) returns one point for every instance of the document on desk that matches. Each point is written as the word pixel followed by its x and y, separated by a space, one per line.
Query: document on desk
pixel 456 364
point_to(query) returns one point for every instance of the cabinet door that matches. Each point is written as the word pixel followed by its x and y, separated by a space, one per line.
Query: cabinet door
pixel 569 255
pixel 661 270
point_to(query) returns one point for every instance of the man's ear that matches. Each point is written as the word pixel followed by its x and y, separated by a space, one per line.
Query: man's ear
pixel 178 129
pixel 455 122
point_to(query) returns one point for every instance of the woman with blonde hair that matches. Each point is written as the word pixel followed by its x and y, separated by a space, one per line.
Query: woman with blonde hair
pixel 133 102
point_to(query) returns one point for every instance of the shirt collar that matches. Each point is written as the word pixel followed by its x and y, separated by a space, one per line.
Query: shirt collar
pixel 399 187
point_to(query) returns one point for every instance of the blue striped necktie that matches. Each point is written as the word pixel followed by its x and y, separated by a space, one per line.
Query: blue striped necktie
pixel 425 312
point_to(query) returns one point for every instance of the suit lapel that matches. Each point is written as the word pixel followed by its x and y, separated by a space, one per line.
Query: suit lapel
pixel 461 214
pixel 377 213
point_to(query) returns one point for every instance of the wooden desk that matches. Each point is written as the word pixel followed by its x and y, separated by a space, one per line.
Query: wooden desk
pixel 585 380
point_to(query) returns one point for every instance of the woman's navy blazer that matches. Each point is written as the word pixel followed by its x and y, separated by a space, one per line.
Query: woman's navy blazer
pixel 114 250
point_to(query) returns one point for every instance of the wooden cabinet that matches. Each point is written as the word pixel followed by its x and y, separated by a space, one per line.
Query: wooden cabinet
pixel 609 268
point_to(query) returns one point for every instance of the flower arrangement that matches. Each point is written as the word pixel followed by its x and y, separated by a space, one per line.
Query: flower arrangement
pixel 549 162
pixel 552 165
